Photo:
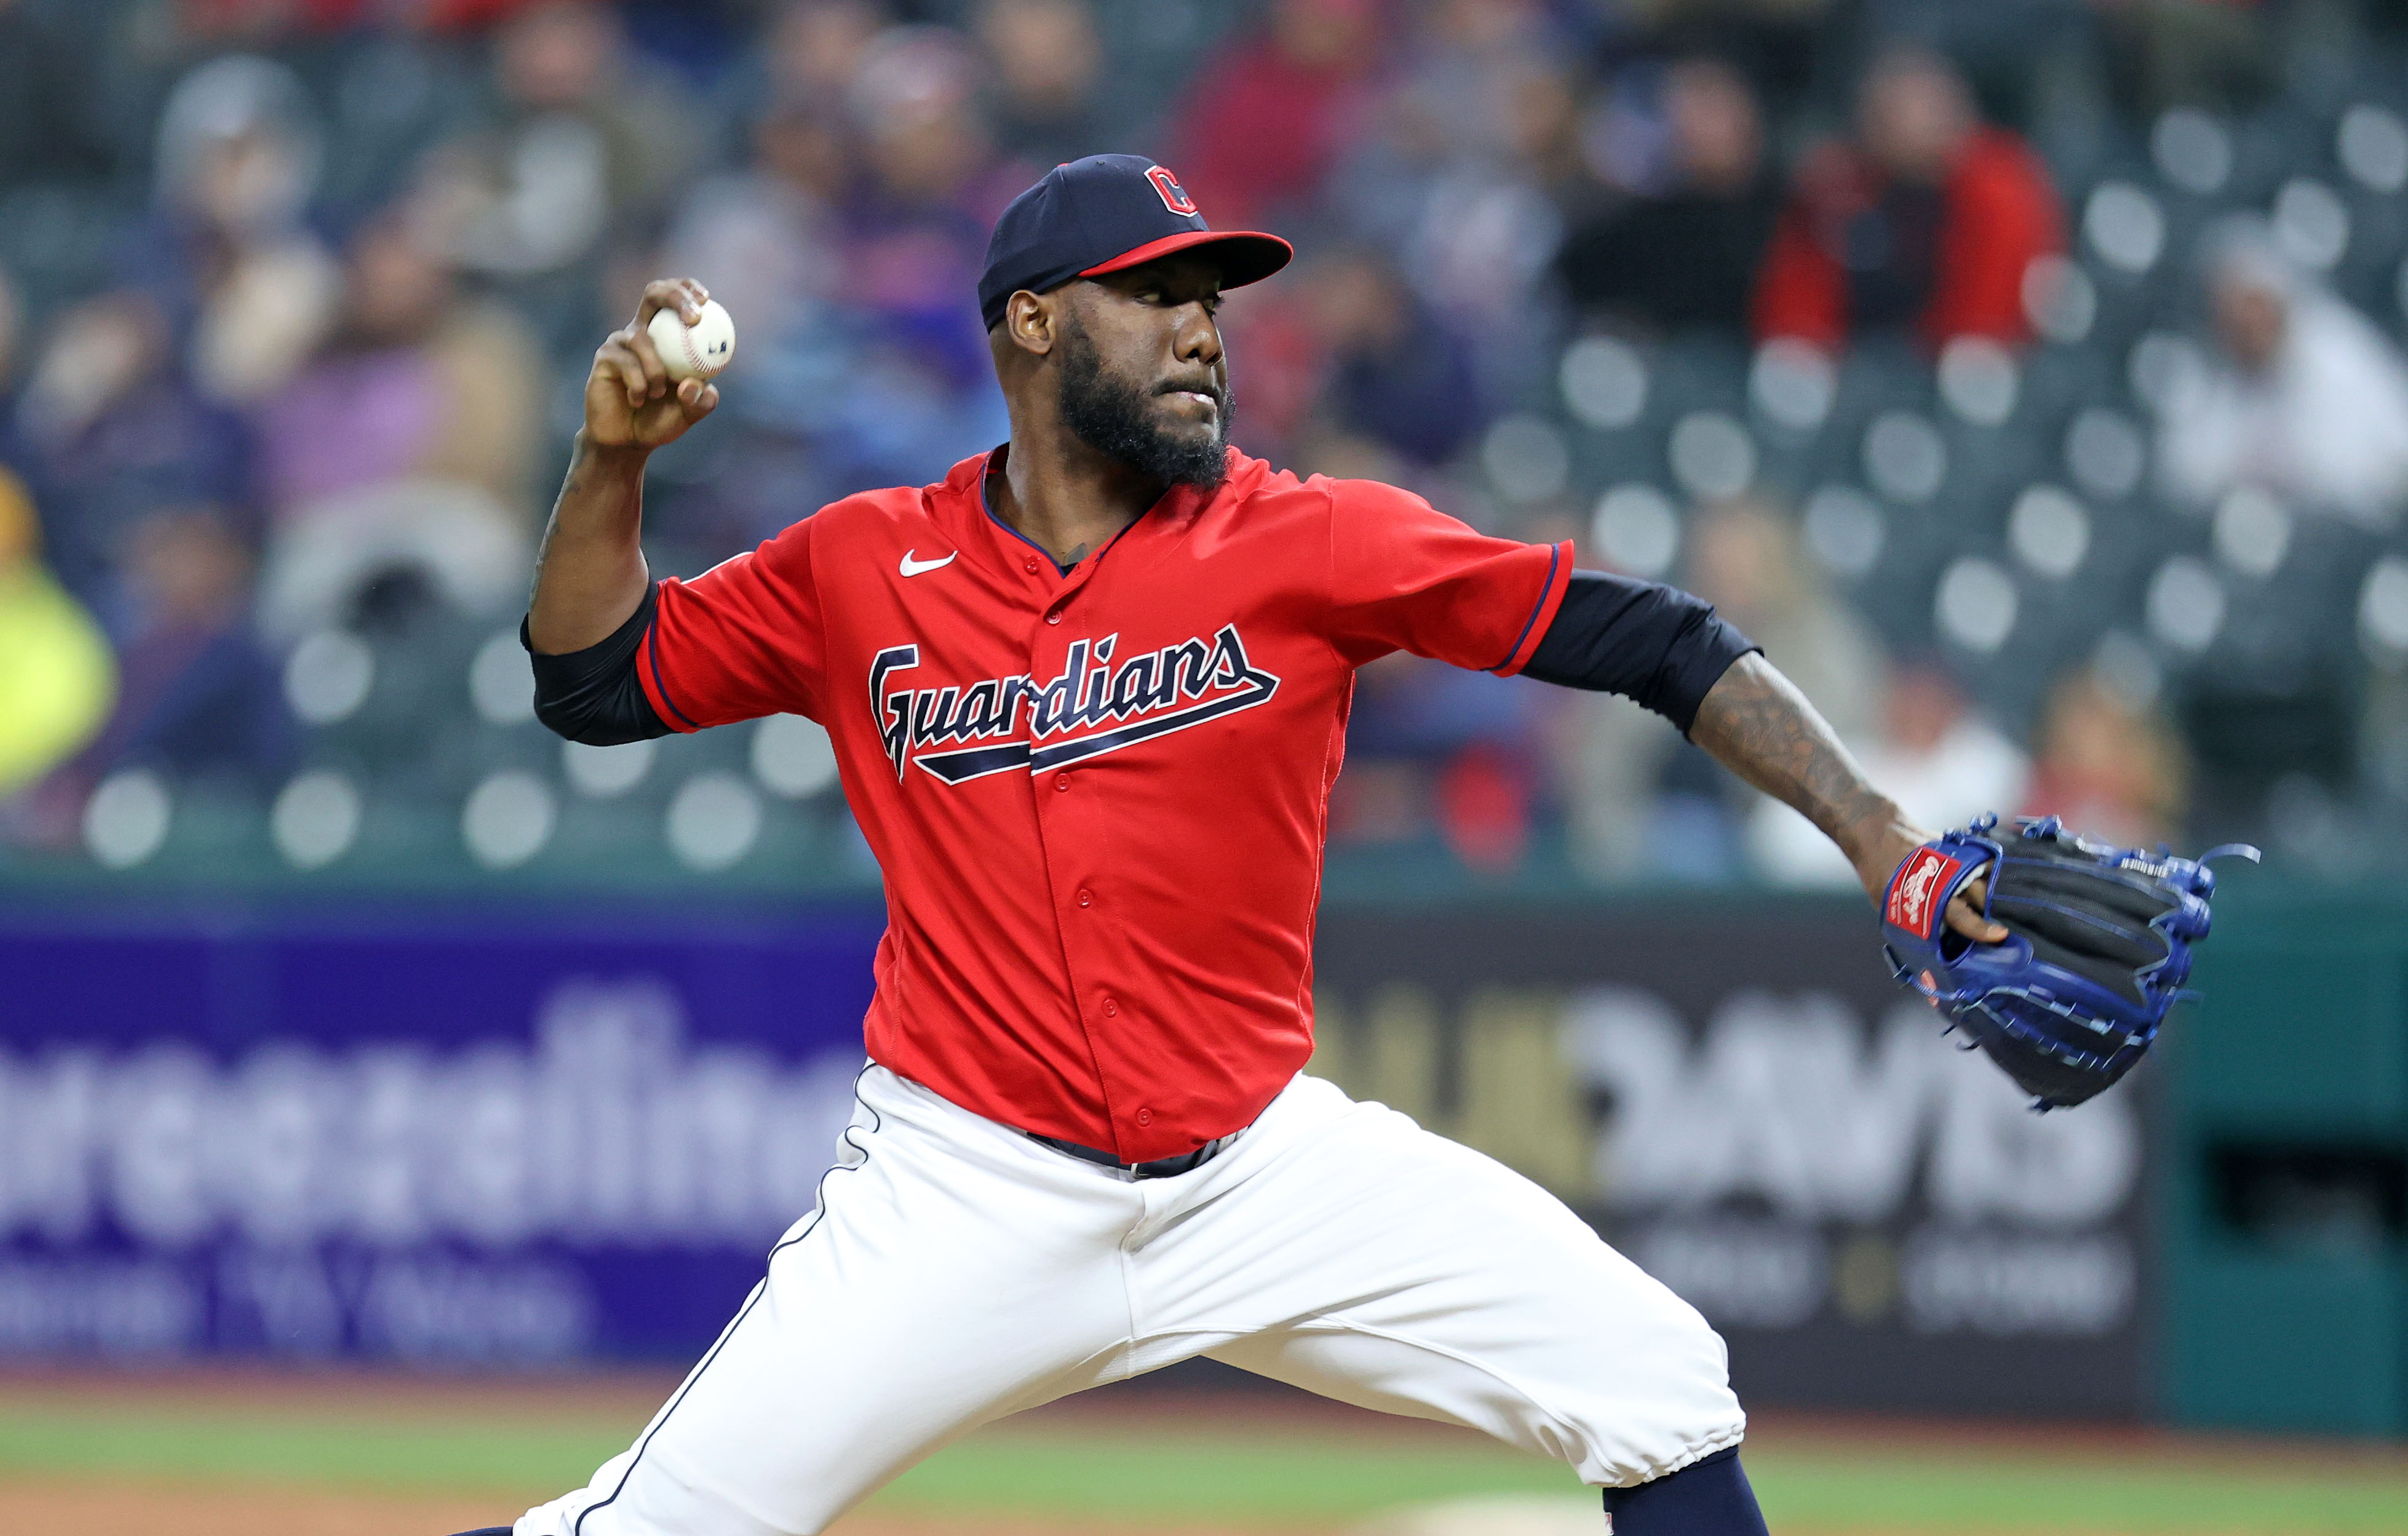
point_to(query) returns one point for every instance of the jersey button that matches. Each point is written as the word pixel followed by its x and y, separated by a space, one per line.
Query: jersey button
pixel 1112 1008
pixel 1086 898
pixel 1055 617
pixel 1031 564
pixel 1145 1117
pixel 1061 781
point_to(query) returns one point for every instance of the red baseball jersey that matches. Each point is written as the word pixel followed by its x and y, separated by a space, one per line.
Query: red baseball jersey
pixel 1098 798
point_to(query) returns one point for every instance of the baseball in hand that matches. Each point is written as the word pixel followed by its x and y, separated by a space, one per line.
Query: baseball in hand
pixel 698 350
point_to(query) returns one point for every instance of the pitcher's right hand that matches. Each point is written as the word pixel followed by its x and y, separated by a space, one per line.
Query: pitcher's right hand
pixel 630 400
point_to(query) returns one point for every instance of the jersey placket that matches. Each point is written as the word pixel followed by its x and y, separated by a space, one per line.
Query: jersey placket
pixel 1072 830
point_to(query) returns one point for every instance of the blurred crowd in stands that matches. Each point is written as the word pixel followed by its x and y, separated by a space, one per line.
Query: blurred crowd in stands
pixel 2026 376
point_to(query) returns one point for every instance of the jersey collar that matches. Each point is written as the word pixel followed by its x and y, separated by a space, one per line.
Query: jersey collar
pixel 972 522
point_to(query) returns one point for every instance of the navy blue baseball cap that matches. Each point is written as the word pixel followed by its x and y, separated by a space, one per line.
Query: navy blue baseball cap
pixel 1104 213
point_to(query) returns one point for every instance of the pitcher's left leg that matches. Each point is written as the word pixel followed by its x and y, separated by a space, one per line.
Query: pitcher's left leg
pixel 1358 1255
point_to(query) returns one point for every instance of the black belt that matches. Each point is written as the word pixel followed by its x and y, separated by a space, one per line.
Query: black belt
pixel 1160 1168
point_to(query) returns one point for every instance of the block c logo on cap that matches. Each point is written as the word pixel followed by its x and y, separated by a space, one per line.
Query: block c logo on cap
pixel 1175 196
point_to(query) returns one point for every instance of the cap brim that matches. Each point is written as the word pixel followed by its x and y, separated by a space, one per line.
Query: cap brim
pixel 1245 257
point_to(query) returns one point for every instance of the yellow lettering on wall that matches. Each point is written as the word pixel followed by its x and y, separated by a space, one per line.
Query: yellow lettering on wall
pixel 1394 1051
pixel 1519 1102
pixel 1330 1038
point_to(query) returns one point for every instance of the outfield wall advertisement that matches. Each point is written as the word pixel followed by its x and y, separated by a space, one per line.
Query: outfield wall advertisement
pixel 1746 1103
pixel 534 1140
pixel 493 1140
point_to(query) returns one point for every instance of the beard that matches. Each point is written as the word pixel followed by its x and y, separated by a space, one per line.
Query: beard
pixel 1117 419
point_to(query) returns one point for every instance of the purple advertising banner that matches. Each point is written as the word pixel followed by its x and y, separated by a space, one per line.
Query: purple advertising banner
pixel 472 1138
pixel 515 1139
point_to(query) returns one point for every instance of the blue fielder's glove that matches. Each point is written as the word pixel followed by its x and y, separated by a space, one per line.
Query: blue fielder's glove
pixel 2098 950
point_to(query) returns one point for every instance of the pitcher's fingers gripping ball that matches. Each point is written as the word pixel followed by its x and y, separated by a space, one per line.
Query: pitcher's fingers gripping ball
pixel 697 350
pixel 2096 950
pixel 633 402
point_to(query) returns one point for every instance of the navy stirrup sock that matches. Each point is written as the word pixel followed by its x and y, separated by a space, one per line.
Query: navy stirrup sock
pixel 1707 1497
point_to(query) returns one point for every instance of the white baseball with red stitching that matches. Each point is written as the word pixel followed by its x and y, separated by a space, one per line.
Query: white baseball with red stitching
pixel 699 351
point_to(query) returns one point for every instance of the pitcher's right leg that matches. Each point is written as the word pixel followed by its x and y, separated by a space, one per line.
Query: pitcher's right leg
pixel 955 1271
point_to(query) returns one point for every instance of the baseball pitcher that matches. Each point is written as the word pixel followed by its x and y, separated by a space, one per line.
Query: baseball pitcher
pixel 1089 694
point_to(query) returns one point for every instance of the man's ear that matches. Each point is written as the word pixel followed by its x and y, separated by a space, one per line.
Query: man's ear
pixel 1030 320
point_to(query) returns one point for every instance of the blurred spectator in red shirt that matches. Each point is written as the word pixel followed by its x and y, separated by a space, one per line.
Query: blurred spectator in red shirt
pixel 1684 257
pixel 1926 221
pixel 1431 748
pixel 1265 121
pixel 222 19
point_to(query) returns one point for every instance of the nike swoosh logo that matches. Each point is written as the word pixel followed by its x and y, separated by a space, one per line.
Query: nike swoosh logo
pixel 922 568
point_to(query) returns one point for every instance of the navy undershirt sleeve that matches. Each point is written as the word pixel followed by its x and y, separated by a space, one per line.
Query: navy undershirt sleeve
pixel 1643 639
pixel 593 696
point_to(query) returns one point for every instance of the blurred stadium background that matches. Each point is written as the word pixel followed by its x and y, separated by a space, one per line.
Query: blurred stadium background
pixel 392 1100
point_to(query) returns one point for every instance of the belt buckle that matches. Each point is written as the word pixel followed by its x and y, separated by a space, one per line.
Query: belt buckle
pixel 1156 1167
pixel 1186 1162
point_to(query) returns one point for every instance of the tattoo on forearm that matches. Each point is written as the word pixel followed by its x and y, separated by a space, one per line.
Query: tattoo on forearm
pixel 1755 723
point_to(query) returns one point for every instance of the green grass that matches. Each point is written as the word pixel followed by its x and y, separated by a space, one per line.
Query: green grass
pixel 1227 1476
pixel 1292 1476
pixel 1299 1478
pixel 237 1446
pixel 1999 1491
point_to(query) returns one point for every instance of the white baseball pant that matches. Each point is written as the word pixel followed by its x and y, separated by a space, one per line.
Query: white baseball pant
pixel 957 1271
